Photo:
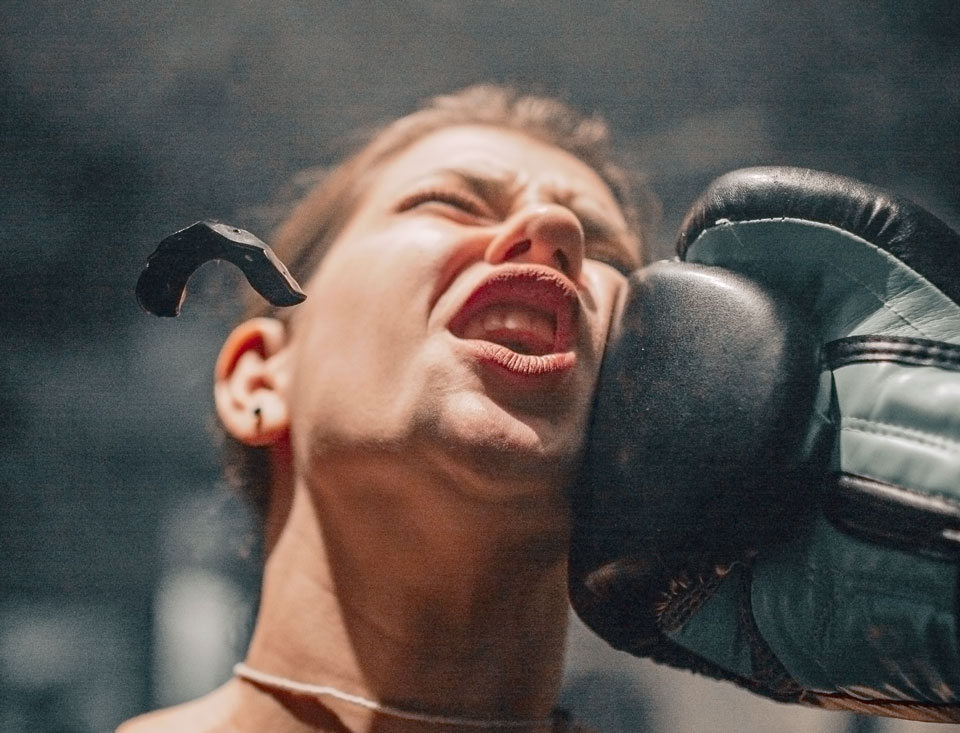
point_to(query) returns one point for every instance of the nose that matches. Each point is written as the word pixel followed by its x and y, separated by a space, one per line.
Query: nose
pixel 544 234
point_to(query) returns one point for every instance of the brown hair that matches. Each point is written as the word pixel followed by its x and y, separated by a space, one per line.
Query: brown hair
pixel 303 238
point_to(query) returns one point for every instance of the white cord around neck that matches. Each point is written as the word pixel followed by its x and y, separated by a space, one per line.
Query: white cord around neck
pixel 243 671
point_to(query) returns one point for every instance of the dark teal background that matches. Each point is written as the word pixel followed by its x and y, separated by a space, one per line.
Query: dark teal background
pixel 122 122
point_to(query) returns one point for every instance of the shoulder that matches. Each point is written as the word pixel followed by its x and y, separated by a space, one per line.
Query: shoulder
pixel 159 720
pixel 208 714
pixel 572 727
pixel 566 724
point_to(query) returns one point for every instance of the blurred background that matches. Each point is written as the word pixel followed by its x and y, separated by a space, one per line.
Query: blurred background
pixel 129 571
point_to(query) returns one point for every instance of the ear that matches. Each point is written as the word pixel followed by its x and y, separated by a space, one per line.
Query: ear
pixel 251 379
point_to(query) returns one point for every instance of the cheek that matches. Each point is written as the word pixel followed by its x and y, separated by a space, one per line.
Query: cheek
pixel 607 288
pixel 358 334
pixel 380 271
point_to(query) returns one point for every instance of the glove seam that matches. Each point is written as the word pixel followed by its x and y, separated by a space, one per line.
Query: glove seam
pixel 877 427
pixel 880 299
pixel 896 349
pixel 730 227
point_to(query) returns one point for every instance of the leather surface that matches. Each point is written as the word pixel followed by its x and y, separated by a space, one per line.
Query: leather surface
pixel 848 285
pixel 916 352
pixel 708 375
pixel 853 617
pixel 860 614
pixel 890 222
pixel 907 519
pixel 901 425
pixel 702 408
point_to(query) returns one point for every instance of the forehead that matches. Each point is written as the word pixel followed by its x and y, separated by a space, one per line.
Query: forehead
pixel 505 156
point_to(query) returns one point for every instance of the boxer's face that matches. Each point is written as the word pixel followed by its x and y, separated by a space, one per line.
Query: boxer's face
pixel 461 315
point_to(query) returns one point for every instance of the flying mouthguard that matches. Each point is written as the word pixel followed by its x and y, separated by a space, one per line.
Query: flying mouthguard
pixel 161 288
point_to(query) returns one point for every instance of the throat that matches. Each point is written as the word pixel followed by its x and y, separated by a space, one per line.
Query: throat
pixel 473 633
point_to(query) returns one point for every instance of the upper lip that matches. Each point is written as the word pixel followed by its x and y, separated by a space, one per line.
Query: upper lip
pixel 531 288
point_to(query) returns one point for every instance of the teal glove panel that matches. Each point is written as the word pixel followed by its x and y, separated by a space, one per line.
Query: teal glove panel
pixel 715 632
pixel 849 599
pixel 901 425
pixel 851 617
pixel 849 285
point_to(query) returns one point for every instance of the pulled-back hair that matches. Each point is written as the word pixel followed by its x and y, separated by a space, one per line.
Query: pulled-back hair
pixel 315 223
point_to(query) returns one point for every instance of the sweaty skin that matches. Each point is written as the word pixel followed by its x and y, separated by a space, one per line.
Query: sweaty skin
pixel 425 412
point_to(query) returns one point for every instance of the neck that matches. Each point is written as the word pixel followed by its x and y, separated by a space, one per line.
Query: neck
pixel 457 608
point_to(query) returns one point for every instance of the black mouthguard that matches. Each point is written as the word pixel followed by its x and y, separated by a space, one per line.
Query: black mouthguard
pixel 161 288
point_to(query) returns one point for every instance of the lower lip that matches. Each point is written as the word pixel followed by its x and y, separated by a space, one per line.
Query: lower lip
pixel 521 365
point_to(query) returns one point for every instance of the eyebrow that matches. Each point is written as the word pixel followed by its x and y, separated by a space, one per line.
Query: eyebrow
pixel 491 186
pixel 596 226
pixel 498 188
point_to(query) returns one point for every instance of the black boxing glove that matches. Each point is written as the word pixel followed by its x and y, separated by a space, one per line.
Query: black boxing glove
pixel 771 487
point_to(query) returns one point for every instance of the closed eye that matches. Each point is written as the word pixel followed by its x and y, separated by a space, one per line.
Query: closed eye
pixel 608 245
pixel 615 254
pixel 464 202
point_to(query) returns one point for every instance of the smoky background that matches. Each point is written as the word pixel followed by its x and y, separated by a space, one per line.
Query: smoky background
pixel 129 570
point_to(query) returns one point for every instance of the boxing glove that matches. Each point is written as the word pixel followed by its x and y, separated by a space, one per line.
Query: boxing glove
pixel 771 486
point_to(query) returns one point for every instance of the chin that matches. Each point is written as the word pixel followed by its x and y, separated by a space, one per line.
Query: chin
pixel 504 455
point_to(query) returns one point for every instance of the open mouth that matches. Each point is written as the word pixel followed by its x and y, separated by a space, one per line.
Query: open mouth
pixel 517 328
pixel 523 319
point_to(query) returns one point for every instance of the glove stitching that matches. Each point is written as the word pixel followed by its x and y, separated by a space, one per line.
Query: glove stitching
pixel 898 349
pixel 731 228
pixel 899 431
pixel 883 303
pixel 950 500
pixel 685 596
pixel 944 348
pixel 769 673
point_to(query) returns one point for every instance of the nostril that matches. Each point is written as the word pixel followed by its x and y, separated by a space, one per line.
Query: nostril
pixel 518 249
pixel 563 262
